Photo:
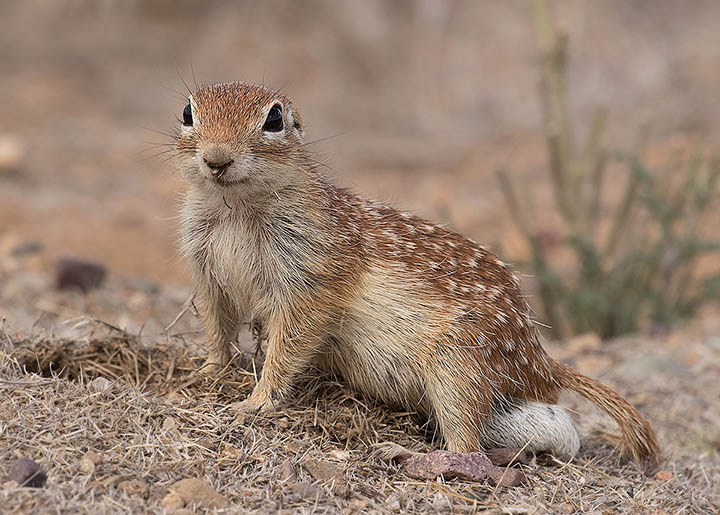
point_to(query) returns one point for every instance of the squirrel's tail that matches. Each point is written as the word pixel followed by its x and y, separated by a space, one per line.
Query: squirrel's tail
pixel 638 435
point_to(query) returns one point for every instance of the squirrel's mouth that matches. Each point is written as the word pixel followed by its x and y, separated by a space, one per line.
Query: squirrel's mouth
pixel 226 182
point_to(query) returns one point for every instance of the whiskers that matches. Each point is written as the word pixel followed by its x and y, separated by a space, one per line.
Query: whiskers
pixel 162 151
pixel 322 139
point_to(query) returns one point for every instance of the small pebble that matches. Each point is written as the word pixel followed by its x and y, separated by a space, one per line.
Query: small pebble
pixel 198 492
pixel 26 249
pixel 88 462
pixel 78 274
pixel 100 384
pixel 12 153
pixel 663 475
pixel 173 502
pixel 28 473
pixel 287 471
pixel 308 491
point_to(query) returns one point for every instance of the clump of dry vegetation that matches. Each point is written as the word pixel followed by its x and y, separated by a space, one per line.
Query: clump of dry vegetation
pixel 636 263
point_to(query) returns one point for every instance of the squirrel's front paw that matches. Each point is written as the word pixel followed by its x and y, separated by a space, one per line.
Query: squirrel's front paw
pixel 258 402
pixel 211 369
pixel 215 364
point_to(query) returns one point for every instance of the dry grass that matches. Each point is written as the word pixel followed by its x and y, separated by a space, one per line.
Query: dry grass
pixel 160 422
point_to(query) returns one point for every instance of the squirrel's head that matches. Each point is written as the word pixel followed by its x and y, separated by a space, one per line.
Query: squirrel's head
pixel 237 136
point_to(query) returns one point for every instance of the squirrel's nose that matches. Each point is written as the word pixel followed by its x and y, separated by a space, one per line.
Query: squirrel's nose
pixel 217 166
pixel 217 158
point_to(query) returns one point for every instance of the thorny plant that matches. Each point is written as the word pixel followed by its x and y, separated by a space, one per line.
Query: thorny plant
pixel 642 265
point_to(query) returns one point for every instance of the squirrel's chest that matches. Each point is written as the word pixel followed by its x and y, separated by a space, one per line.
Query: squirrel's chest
pixel 238 261
pixel 251 265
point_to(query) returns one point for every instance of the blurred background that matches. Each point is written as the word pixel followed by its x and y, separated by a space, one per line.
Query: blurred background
pixel 421 102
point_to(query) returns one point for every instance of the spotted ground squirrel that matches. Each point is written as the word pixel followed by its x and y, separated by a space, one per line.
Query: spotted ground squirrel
pixel 402 309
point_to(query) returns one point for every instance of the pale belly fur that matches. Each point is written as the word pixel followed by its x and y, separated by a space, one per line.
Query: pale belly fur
pixel 381 341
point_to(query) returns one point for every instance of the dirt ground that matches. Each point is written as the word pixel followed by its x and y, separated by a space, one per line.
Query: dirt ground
pixel 116 418
pixel 421 102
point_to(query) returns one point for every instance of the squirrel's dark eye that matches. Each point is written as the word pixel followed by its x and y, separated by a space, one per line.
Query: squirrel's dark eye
pixel 274 120
pixel 187 115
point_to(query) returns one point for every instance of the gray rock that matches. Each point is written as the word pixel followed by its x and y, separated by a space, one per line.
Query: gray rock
pixel 28 473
